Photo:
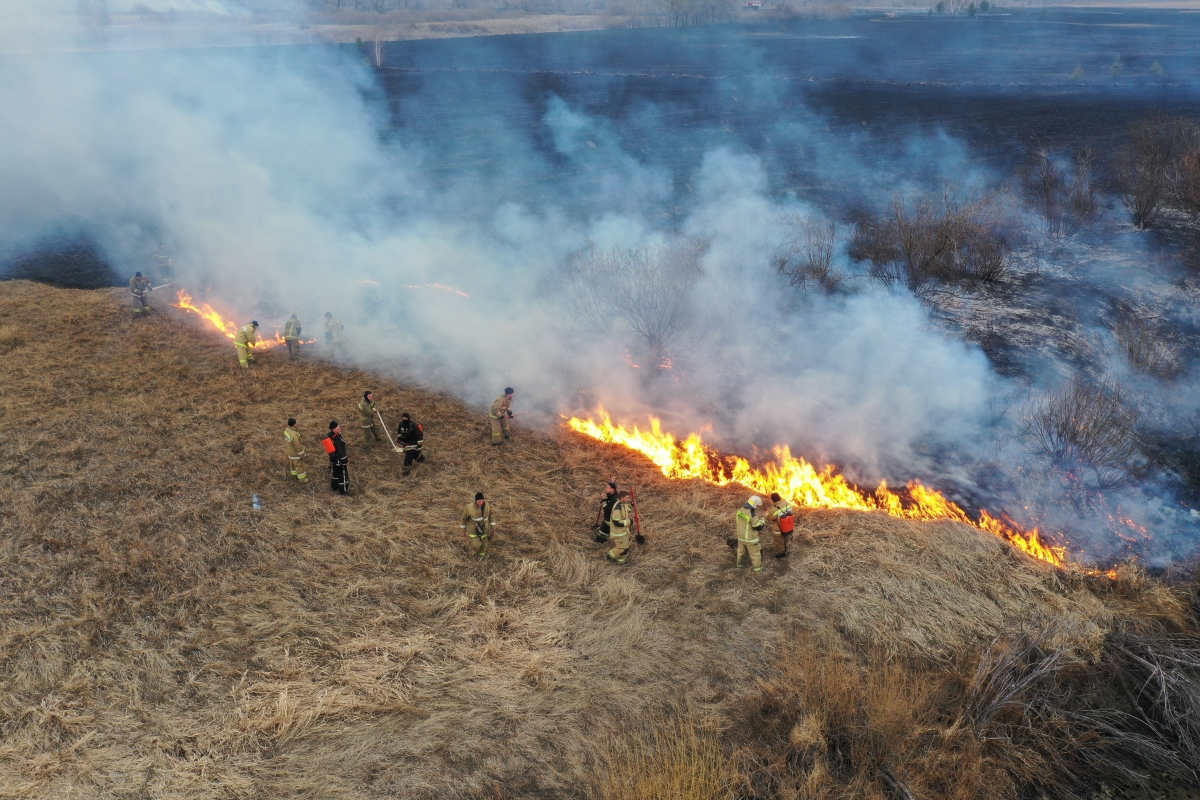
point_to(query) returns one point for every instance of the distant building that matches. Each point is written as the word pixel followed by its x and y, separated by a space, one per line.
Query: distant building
pixel 753 5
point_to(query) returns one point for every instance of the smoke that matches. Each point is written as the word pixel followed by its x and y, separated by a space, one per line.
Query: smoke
pixel 285 180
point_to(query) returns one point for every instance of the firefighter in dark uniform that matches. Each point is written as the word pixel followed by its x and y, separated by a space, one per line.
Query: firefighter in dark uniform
pixel 604 513
pixel 139 287
pixel 411 437
pixel 339 478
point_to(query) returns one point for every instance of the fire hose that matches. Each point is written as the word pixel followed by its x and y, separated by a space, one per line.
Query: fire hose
pixel 385 432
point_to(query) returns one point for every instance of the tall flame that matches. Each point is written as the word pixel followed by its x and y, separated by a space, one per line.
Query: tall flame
pixel 227 327
pixel 801 482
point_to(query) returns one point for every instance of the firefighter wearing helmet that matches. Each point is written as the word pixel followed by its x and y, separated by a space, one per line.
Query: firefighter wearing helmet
pixel 366 419
pixel 335 335
pixel 749 522
pixel 783 522
pixel 291 335
pixel 246 338
pixel 619 523
pixel 139 287
pixel 295 451
pixel 478 524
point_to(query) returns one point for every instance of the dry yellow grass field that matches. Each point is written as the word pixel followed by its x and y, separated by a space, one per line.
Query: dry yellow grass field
pixel 160 638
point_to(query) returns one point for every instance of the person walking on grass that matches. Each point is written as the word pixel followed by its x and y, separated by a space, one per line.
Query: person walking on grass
pixel 783 523
pixel 411 437
pixel 295 451
pixel 478 525
pixel 619 523
pixel 291 335
pixel 366 419
pixel 499 415
pixel 604 514
pixel 246 338
pixel 139 287
pixel 749 522
pixel 335 446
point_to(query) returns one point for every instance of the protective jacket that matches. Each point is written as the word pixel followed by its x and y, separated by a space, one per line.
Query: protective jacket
pixel 621 520
pixel 782 509
pixel 291 441
pixel 292 329
pixel 140 287
pixel 410 435
pixel 333 331
pixel 749 523
pixel 247 336
pixel 366 413
pixel 501 406
pixel 338 456
pixel 607 502
pixel 478 521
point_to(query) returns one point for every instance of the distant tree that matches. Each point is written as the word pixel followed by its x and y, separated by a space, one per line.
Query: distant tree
pixel 1156 69
pixel 377 51
pixel 984 7
pixel 1117 67
pixel 1077 75
pixel 971 10
pixel 940 7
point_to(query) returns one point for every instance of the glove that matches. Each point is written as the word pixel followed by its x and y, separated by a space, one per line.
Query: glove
pixel 510 414
pixel 639 539
pixel 731 541
pixel 601 538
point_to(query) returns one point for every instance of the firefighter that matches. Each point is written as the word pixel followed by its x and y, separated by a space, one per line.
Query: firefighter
pixel 500 413
pixel 295 451
pixel 604 513
pixel 246 338
pixel 335 335
pixel 749 522
pixel 366 419
pixel 339 476
pixel 478 525
pixel 619 523
pixel 291 335
pixel 411 437
pixel 139 287
pixel 162 263
pixel 783 522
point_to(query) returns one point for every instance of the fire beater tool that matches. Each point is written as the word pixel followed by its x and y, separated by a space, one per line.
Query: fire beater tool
pixel 637 520
pixel 385 433
pixel 165 285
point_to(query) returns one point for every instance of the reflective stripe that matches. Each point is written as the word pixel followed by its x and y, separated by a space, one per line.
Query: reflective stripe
pixel 479 519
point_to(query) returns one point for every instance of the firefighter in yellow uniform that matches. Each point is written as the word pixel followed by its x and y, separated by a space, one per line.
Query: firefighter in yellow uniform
pixel 295 451
pixel 246 338
pixel 366 419
pixel 783 522
pixel 619 523
pixel 139 287
pixel 291 335
pixel 477 525
pixel 749 522
pixel 500 413
pixel 335 335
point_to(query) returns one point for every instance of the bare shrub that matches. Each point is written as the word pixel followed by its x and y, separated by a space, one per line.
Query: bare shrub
pixel 1186 178
pixel 1089 430
pixel 1158 674
pixel 934 240
pixel 1148 166
pixel 1146 348
pixel 648 288
pixel 807 257
pixel 1064 195
pixel 377 50
pixel 669 758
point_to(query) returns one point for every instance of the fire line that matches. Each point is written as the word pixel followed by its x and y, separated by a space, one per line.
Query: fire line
pixel 225 326
pixel 801 482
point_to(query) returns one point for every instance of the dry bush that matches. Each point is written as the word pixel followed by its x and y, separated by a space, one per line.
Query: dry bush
pixel 10 338
pixel 670 757
pixel 1090 431
pixel 1064 195
pixel 647 288
pixel 807 256
pixel 932 240
pixel 1154 167
pixel 1147 349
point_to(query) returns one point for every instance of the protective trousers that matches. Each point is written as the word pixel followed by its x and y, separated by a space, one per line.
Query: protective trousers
pixel 293 349
pixel 477 544
pixel 411 457
pixel 142 304
pixel 754 549
pixel 339 477
pixel 499 428
pixel 781 542
pixel 619 538
pixel 369 431
pixel 298 468
pixel 244 355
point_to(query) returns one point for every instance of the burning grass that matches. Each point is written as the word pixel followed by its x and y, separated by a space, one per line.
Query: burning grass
pixel 159 637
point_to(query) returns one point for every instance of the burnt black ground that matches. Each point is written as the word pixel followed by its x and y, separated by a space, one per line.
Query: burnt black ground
pixel 73 263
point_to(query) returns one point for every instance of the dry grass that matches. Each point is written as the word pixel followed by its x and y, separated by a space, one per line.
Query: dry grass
pixel 159 637
pixel 1148 350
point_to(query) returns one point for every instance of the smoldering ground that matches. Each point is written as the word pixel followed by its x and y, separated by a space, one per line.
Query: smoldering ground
pixel 298 180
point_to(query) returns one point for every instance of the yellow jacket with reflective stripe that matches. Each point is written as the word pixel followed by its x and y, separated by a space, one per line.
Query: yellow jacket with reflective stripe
pixel 481 518
pixel 334 329
pixel 247 336
pixel 621 520
pixel 292 329
pixel 291 442
pixel 748 525
pixel 781 508
pixel 500 406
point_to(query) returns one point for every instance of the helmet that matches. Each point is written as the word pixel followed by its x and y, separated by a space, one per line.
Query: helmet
pixel 254 322
pixel 755 501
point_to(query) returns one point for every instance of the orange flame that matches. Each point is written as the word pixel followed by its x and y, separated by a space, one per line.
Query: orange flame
pixel 801 482
pixel 227 327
